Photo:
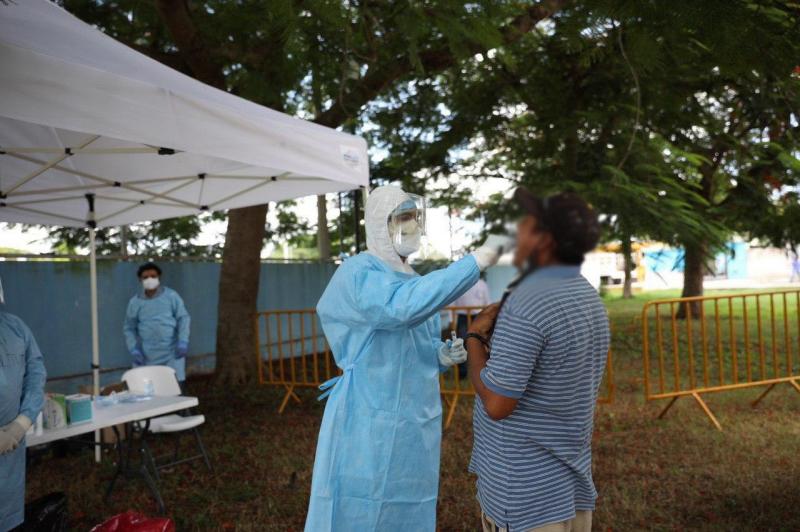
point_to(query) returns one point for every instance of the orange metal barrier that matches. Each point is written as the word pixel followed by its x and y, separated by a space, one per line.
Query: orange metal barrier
pixel 293 353
pixel 725 342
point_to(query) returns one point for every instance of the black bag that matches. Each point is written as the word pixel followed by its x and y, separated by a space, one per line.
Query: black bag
pixel 46 514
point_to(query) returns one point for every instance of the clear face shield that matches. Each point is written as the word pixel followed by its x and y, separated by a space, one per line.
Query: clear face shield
pixel 407 225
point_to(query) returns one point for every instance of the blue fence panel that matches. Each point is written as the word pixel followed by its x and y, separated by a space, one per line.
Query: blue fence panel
pixel 52 297
pixel 737 260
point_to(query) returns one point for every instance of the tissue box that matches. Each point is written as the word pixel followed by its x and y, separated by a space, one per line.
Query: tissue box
pixel 79 408
pixel 55 411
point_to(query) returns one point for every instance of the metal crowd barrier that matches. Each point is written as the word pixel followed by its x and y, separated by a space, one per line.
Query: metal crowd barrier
pixel 721 343
pixel 292 353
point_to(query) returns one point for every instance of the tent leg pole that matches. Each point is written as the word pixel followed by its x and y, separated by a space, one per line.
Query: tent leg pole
pixel 95 331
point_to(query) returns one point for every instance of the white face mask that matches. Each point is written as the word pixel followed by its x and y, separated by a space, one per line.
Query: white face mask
pixel 151 283
pixel 407 238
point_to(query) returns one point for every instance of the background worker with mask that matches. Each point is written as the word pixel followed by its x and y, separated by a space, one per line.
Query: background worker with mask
pixel 22 379
pixel 377 461
pixel 157 324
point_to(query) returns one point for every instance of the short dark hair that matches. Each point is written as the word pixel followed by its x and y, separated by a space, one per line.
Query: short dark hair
pixel 566 216
pixel 148 266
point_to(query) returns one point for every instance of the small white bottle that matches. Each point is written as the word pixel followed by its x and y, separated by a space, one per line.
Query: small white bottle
pixel 39 424
pixel 149 388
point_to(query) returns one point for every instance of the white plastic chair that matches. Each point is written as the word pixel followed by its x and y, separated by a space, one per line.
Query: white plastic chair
pixel 165 384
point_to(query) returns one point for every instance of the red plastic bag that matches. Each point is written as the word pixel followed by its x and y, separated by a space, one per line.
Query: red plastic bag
pixel 131 521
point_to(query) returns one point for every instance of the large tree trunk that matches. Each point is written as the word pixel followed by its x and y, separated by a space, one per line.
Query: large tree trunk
pixel 695 252
pixel 323 236
pixel 627 255
pixel 244 239
pixel 693 272
pixel 238 294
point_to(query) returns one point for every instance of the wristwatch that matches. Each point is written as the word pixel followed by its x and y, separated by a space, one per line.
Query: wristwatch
pixel 478 337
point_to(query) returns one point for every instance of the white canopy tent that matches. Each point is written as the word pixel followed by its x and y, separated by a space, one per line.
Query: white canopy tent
pixel 93 133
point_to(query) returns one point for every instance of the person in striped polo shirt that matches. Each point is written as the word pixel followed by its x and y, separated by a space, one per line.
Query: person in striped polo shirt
pixel 536 360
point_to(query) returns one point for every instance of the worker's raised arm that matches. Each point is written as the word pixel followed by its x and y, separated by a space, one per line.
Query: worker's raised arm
pixel 386 302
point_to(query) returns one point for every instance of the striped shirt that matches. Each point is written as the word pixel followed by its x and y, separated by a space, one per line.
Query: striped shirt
pixel 548 351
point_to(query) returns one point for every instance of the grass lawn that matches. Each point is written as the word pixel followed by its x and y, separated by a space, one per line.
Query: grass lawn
pixel 673 474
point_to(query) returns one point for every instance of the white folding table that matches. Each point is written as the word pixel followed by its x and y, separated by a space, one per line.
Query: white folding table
pixel 122 414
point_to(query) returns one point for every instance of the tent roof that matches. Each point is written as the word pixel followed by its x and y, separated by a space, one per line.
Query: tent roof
pixel 81 113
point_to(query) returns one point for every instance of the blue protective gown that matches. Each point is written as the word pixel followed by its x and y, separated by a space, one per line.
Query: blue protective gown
pixel 377 460
pixel 22 378
pixel 156 325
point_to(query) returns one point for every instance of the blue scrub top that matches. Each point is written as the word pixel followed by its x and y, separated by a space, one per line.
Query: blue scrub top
pixel 377 461
pixel 22 379
pixel 156 325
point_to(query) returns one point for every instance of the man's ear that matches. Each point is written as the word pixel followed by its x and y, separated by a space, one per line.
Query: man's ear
pixel 549 244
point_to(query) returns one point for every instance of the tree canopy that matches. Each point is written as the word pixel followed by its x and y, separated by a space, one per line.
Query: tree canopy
pixel 321 60
pixel 678 122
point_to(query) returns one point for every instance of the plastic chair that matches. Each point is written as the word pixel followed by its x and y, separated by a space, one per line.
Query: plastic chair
pixel 165 384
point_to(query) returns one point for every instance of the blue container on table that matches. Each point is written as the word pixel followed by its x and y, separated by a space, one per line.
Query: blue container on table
pixel 79 408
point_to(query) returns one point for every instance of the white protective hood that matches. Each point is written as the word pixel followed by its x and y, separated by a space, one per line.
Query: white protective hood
pixel 380 204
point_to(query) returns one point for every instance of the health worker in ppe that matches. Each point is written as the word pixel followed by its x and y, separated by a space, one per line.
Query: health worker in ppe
pixel 377 459
pixel 22 379
pixel 157 324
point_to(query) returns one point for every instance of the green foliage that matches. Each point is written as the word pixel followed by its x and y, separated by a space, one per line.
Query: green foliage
pixel 316 59
pixel 290 227
pixel 678 124
pixel 171 237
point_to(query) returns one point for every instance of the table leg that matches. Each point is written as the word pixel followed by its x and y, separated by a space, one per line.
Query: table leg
pixel 120 461
pixel 145 473
pixel 148 456
pixel 125 449
pixel 151 484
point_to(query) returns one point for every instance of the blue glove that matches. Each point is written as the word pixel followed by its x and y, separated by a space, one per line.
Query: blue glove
pixel 183 349
pixel 138 358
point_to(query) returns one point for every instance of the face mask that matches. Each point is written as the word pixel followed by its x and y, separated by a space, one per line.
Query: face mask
pixel 407 238
pixel 151 283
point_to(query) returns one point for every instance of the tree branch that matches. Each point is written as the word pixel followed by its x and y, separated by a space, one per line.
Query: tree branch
pixel 172 60
pixel 379 79
pixel 197 55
